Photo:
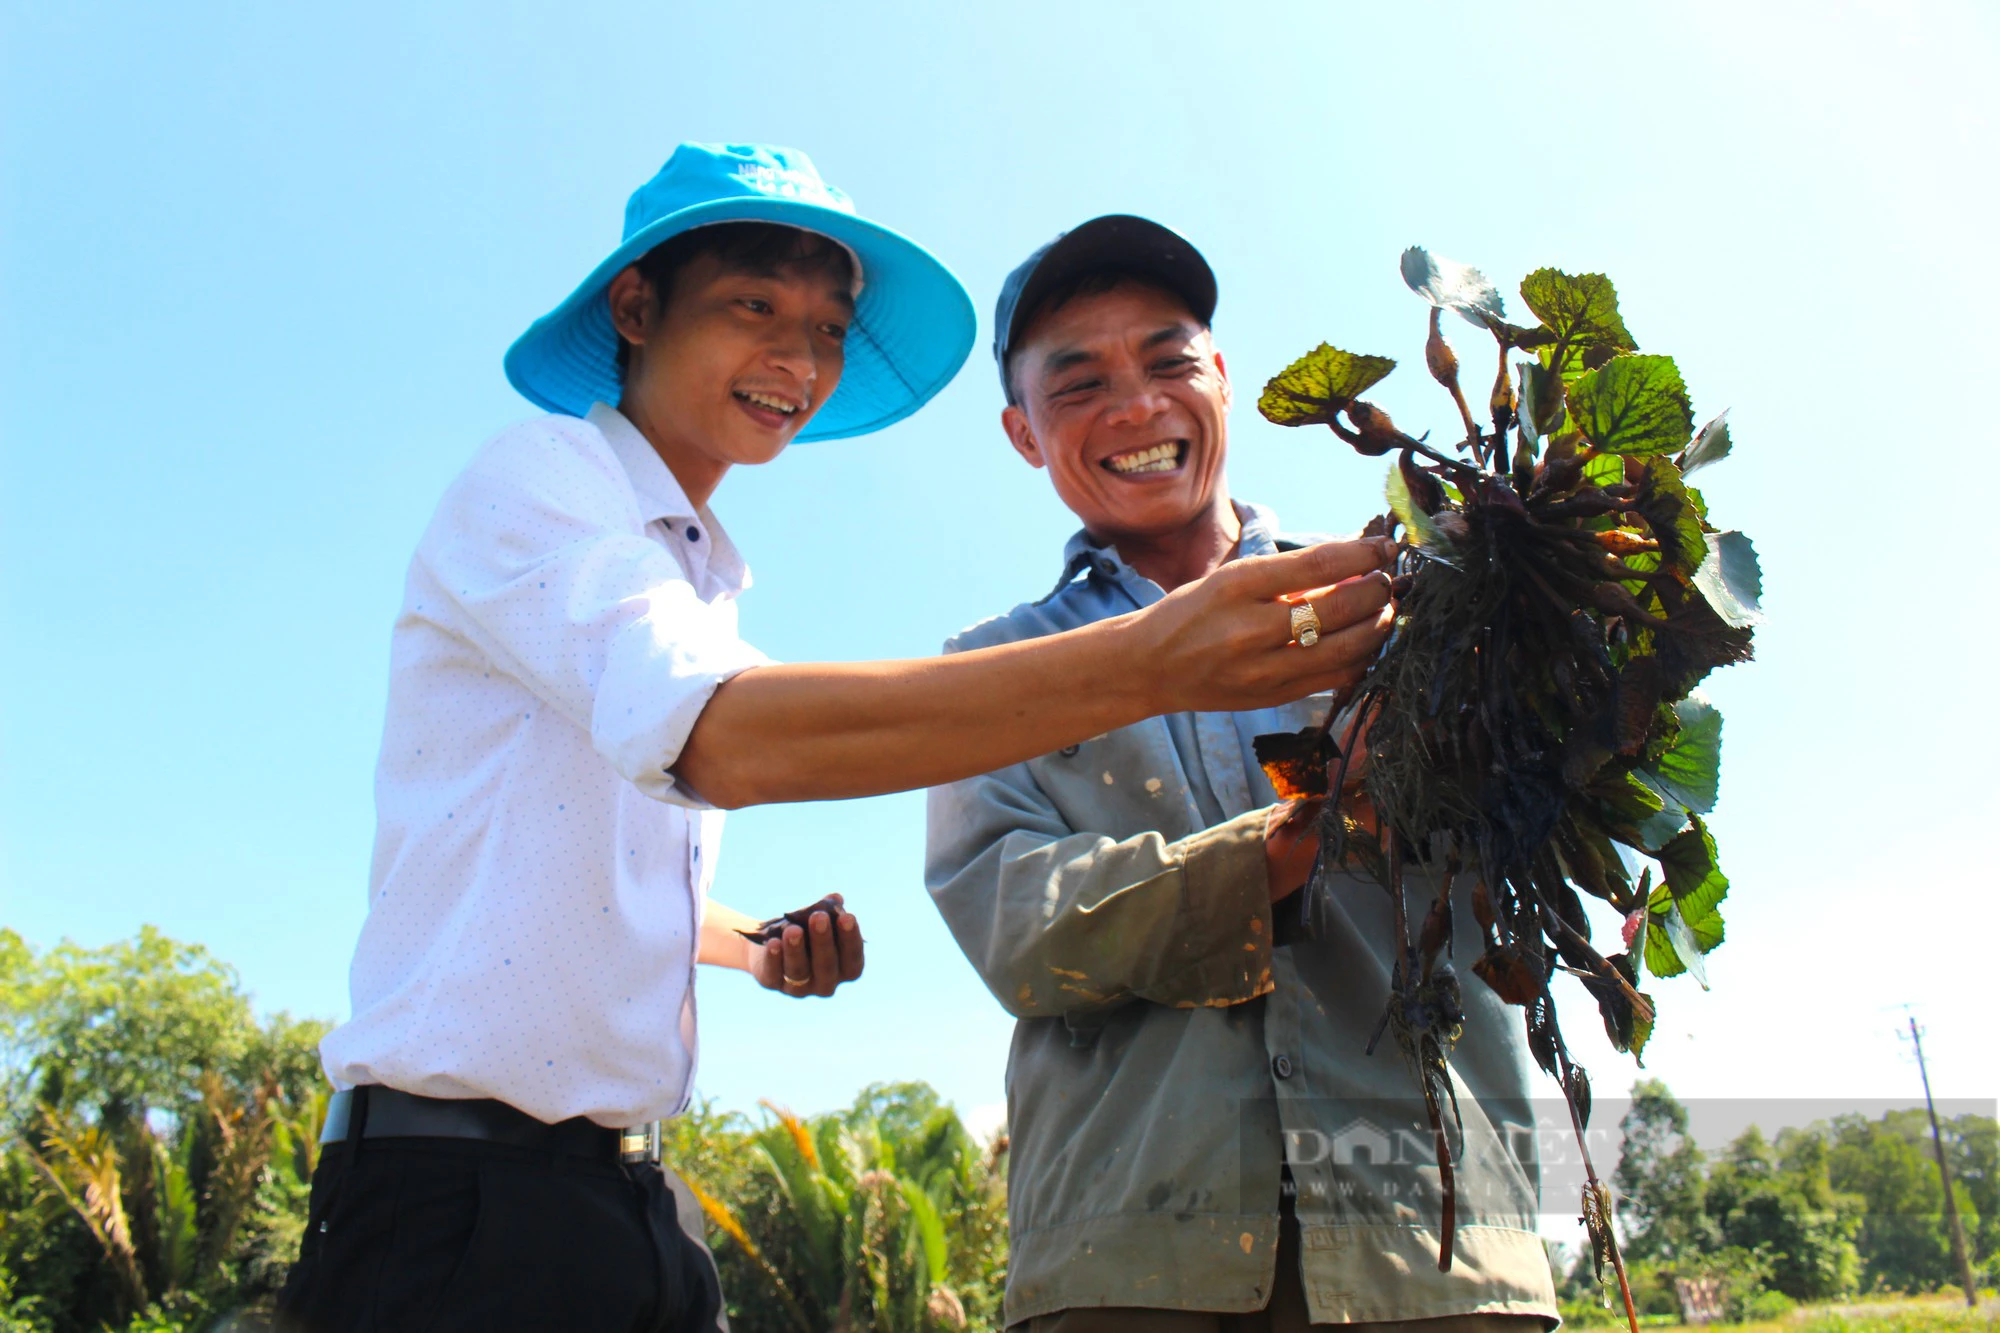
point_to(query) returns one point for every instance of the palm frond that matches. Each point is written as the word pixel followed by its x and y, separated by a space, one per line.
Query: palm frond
pixel 80 1163
pixel 732 1226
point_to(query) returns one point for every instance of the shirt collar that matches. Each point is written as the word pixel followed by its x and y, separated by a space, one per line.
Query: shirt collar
pixel 1260 537
pixel 661 498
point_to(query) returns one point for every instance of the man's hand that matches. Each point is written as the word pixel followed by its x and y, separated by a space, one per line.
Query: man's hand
pixel 812 959
pixel 818 956
pixel 1291 844
pixel 1224 643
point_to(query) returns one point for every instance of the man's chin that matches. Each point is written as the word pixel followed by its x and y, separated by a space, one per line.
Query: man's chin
pixel 757 451
pixel 1148 523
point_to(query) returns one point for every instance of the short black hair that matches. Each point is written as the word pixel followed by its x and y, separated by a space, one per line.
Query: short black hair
pixel 746 247
pixel 1090 282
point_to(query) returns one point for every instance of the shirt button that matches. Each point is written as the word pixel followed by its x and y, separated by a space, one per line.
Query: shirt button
pixel 1282 1066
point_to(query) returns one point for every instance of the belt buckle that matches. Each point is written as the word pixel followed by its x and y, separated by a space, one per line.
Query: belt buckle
pixel 639 1143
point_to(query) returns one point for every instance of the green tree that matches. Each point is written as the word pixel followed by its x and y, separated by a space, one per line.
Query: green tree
pixel 1778 1200
pixel 158 1137
pixel 886 1216
pixel 1972 1144
pixel 1662 1179
pixel 1888 1162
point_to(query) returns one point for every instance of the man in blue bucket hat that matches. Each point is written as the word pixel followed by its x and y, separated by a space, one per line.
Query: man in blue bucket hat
pixel 571 709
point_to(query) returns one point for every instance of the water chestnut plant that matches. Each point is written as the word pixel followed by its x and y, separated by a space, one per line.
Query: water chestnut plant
pixel 1532 730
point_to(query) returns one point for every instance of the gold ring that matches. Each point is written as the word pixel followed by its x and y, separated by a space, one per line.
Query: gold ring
pixel 797 981
pixel 1305 624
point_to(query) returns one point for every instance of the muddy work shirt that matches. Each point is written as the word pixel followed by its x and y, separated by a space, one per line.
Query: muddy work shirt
pixel 1171 1058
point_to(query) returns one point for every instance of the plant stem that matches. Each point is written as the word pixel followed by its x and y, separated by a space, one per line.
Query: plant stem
pixel 1590 1175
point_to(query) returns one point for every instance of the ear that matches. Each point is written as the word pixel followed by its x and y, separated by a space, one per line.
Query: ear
pixel 1015 422
pixel 633 310
pixel 1222 369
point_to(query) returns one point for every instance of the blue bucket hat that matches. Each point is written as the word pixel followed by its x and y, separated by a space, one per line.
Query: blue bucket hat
pixel 913 322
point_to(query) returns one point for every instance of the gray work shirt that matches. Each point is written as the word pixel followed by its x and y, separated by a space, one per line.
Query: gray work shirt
pixel 1170 1059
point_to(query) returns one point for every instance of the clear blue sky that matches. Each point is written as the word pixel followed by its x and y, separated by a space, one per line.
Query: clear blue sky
pixel 258 264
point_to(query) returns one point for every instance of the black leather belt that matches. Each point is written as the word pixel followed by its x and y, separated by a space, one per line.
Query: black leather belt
pixel 384 1113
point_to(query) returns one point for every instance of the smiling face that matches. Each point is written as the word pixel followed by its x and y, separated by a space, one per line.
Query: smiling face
pixel 1122 396
pixel 733 363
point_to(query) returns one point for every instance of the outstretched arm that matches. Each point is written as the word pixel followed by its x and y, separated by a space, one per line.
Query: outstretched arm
pixel 830 731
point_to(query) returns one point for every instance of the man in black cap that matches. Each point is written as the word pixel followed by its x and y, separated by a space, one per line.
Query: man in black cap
pixel 1199 1143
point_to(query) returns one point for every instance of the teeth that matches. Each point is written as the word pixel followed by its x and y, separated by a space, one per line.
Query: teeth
pixel 766 400
pixel 1159 458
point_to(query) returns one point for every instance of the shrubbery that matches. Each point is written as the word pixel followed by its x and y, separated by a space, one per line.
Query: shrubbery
pixel 159 1141
pixel 1815 1214
pixel 159 1137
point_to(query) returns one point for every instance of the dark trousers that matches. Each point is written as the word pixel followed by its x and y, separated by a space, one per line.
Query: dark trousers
pixel 457 1234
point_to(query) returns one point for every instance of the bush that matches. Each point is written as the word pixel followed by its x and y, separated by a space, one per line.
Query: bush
pixel 159 1138
pixel 886 1215
pixel 1767 1305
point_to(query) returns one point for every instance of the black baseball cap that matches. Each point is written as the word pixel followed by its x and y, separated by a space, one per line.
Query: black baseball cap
pixel 1117 240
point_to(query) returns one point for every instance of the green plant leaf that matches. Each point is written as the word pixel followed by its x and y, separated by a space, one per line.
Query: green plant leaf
pixel 1604 470
pixel 1638 813
pixel 1580 309
pixel 1691 873
pixel 1422 531
pixel 1691 769
pixel 1663 948
pixel 1663 825
pixel 1542 398
pixel 1681 939
pixel 1633 405
pixel 1450 285
pixel 1320 383
pixel 930 1229
pixel 1711 445
pixel 1673 515
pixel 1730 577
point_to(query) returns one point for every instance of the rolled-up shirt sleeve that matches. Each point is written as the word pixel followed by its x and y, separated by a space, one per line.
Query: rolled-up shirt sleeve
pixel 1058 921
pixel 543 551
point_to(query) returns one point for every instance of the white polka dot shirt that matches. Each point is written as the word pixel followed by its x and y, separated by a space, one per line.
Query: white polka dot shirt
pixel 539 872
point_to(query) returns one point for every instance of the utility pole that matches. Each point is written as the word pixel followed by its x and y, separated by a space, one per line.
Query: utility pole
pixel 1952 1226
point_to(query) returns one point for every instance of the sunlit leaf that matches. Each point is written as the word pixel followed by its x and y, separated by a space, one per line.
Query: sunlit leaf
pixel 1542 398
pixel 1673 515
pixel 1711 445
pixel 1581 310
pixel 1633 405
pixel 1604 470
pixel 1319 384
pixel 1685 946
pixel 1421 528
pixel 1642 1032
pixel 1663 949
pixel 1663 825
pixel 1691 769
pixel 1732 580
pixel 1638 814
pixel 1450 285
pixel 1691 874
